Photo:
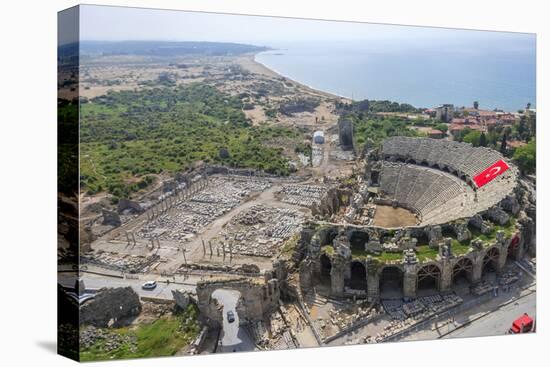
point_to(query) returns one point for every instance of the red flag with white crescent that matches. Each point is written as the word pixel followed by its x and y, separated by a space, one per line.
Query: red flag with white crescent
pixel 490 173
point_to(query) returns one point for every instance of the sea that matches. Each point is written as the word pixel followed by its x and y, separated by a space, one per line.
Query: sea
pixel 496 69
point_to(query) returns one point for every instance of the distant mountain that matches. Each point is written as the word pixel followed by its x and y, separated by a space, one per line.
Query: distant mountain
pixel 165 48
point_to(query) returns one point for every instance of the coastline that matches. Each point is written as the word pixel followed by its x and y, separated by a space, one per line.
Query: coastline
pixel 249 62
pixel 258 67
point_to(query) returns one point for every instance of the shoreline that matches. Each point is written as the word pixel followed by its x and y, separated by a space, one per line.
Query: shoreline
pixel 260 68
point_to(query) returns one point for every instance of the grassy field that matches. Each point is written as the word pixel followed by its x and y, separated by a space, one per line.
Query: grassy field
pixel 509 229
pixel 425 253
pixel 163 337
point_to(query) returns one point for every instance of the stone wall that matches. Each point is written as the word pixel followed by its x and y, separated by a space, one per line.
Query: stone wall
pixel 409 266
pixel 110 306
pixel 257 299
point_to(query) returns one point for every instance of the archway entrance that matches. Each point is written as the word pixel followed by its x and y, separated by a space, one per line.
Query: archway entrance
pixel 326 267
pixel 462 274
pixel 391 282
pixel 234 338
pixel 358 278
pixel 327 236
pixel 358 240
pixel 428 278
pixel 490 262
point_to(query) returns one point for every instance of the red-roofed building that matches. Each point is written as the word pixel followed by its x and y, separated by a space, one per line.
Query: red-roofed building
pixel 436 134
pixel 455 129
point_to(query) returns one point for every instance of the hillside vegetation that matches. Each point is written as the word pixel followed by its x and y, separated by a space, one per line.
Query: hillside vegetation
pixel 129 136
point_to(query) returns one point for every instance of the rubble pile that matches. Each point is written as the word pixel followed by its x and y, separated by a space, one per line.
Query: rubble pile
pixel 188 217
pixel 394 308
pixel 420 308
pixel 249 269
pixel 482 288
pixel 343 318
pixel 260 230
pixel 509 277
pixel 119 262
pixel 302 195
pixel 258 333
pixel 91 335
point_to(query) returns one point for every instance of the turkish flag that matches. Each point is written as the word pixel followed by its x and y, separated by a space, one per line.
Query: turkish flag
pixel 491 173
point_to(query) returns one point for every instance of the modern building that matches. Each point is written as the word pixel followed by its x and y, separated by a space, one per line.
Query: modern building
pixel 444 112
pixel 319 137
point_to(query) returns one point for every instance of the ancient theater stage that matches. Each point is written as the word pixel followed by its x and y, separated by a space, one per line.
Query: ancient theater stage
pixel 389 217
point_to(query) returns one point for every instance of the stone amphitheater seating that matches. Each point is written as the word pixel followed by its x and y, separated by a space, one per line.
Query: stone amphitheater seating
pixel 438 196
pixel 461 158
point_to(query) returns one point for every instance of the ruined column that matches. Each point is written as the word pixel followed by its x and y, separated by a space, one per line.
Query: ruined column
pixel 445 256
pixel 410 281
pixel 373 282
pixel 477 269
pixel 128 238
pixel 134 238
pixel 502 250
pixel 446 281
pixel 210 245
pixel 410 276
pixel 203 248
pixel 337 273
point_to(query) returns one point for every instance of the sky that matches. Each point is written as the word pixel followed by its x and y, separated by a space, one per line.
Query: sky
pixel 104 23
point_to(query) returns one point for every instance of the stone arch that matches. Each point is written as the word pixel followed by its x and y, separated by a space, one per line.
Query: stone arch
pixel 229 300
pixel 326 267
pixel 255 302
pixel 391 280
pixel 422 238
pixel 327 235
pixel 463 269
pixel 424 163
pixel 429 277
pixel 358 278
pixel 358 240
pixel 490 260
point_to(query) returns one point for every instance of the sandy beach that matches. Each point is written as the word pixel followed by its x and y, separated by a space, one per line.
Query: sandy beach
pixel 250 63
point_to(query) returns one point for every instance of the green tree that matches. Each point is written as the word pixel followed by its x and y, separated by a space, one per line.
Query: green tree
pixel 473 137
pixel 525 157
pixel 482 140
pixel 443 127
pixel 476 105
pixel 503 144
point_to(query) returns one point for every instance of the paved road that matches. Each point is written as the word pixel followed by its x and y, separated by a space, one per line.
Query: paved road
pixel 163 290
pixel 499 321
pixel 234 337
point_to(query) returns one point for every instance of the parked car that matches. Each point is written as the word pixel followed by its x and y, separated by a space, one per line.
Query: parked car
pixel 149 285
pixel 230 316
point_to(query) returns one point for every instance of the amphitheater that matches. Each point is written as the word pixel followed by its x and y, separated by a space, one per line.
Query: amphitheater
pixel 463 233
pixel 434 178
